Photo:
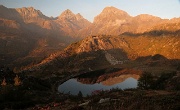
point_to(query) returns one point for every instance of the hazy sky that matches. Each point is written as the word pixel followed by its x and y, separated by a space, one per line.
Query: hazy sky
pixel 91 8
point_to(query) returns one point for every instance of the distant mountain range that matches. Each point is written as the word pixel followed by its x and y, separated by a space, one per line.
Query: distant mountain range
pixel 29 39
pixel 112 21
pixel 27 36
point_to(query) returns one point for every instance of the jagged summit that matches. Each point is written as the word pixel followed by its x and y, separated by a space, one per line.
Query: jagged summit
pixel 28 9
pixel 71 22
pixel 68 14
pixel 30 12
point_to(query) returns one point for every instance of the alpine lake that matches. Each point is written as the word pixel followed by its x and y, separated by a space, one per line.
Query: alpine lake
pixel 90 83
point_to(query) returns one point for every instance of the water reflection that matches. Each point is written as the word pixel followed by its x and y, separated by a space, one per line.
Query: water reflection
pixel 102 81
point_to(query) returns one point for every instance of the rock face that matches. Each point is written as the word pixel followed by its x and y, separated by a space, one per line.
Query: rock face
pixel 6 24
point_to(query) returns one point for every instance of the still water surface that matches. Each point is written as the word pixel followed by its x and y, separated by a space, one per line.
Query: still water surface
pixel 88 85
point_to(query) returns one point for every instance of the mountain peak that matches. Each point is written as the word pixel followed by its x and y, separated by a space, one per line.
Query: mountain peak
pixel 111 14
pixel 31 9
pixel 2 6
pixel 112 9
pixel 68 11
pixel 29 12
pixel 67 14
pixel 2 9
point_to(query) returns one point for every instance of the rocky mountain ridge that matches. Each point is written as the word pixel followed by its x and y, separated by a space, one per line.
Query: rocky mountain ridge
pixel 30 19
pixel 112 21
pixel 38 34
pixel 96 52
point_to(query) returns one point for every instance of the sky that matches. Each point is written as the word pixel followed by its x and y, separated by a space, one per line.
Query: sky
pixel 91 8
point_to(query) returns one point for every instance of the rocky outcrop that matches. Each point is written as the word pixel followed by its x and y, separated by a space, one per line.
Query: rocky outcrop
pixel 6 24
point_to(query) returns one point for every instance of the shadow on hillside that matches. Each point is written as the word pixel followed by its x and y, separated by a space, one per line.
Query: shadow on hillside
pixel 153 33
pixel 83 62
pixel 96 60
pixel 159 60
